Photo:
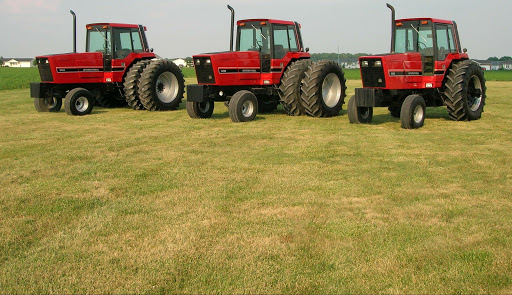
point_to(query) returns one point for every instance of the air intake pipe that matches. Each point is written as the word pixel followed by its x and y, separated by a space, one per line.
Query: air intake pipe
pixel 74 30
pixel 232 27
pixel 393 24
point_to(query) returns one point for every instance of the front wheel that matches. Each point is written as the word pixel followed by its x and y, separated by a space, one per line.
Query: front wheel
pixel 78 102
pixel 243 106
pixel 357 114
pixel 48 104
pixel 200 110
pixel 412 114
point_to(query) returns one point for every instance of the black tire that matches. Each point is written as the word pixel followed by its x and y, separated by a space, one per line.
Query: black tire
pixel 161 86
pixel 78 102
pixel 243 106
pixel 465 91
pixel 323 91
pixel 290 88
pixel 131 85
pixel 48 104
pixel 357 114
pixel 395 111
pixel 200 110
pixel 412 114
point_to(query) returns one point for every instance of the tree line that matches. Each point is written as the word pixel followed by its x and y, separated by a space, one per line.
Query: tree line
pixel 504 58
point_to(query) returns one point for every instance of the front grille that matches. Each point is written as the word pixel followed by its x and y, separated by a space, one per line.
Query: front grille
pixel 45 71
pixel 372 75
pixel 204 70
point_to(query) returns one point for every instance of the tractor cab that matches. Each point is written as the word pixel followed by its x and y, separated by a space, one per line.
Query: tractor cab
pixel 264 48
pixel 110 50
pixel 422 51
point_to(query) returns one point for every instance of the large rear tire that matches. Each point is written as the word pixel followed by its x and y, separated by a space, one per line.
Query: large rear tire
pixel 200 110
pixel 412 114
pixel 290 88
pixel 243 106
pixel 131 85
pixel 78 102
pixel 323 91
pixel 357 114
pixel 465 91
pixel 161 86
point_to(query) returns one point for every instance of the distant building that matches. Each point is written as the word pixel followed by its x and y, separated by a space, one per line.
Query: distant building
pixel 349 63
pixel 180 62
pixel 489 65
pixel 18 62
pixel 507 65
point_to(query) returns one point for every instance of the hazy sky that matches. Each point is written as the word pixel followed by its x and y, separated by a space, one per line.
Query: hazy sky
pixel 184 28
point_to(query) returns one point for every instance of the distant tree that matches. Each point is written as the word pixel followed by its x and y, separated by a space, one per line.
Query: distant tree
pixel 1 61
pixel 493 58
pixel 34 62
pixel 505 58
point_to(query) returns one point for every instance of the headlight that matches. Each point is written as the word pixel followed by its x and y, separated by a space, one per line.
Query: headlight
pixel 198 62
pixel 378 63
pixel 364 63
pixel 208 61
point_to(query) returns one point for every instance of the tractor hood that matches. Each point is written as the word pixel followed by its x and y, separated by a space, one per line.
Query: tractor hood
pixel 227 68
pixel 68 67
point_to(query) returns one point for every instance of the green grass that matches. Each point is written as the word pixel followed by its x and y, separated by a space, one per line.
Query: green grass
pixel 17 78
pixel 124 201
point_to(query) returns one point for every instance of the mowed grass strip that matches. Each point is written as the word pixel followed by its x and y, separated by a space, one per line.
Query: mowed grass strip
pixel 124 201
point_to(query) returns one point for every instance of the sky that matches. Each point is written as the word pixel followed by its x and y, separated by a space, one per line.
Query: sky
pixel 184 28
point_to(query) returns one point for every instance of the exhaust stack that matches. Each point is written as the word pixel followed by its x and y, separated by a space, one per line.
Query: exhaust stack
pixel 392 27
pixel 74 30
pixel 232 27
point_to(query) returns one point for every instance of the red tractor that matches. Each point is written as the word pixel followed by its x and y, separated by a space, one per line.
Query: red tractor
pixel 270 65
pixel 426 68
pixel 117 68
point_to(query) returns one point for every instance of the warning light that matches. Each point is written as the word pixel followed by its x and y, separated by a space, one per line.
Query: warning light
pixel 263 23
pixel 425 22
pixel 242 24
pixel 399 24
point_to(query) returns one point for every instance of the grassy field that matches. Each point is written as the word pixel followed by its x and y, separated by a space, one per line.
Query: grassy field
pixel 20 78
pixel 124 201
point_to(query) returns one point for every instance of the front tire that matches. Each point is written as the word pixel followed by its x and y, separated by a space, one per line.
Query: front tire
pixel 243 106
pixel 78 102
pixel 465 91
pixel 48 104
pixel 357 114
pixel 161 86
pixel 323 91
pixel 412 114
pixel 200 110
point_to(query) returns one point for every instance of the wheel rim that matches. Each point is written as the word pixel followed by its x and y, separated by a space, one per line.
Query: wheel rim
pixel 82 104
pixel 203 107
pixel 474 93
pixel 167 87
pixel 331 90
pixel 418 114
pixel 247 109
pixel 364 113
pixel 50 102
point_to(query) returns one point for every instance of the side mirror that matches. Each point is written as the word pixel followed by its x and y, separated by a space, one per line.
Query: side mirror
pixel 307 49
pixel 465 50
pixel 151 50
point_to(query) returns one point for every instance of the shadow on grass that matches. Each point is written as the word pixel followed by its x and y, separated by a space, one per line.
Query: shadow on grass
pixel 431 113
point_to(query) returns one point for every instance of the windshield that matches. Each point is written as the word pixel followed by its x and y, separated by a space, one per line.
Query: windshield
pixel 411 37
pixel 253 37
pixel 98 40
